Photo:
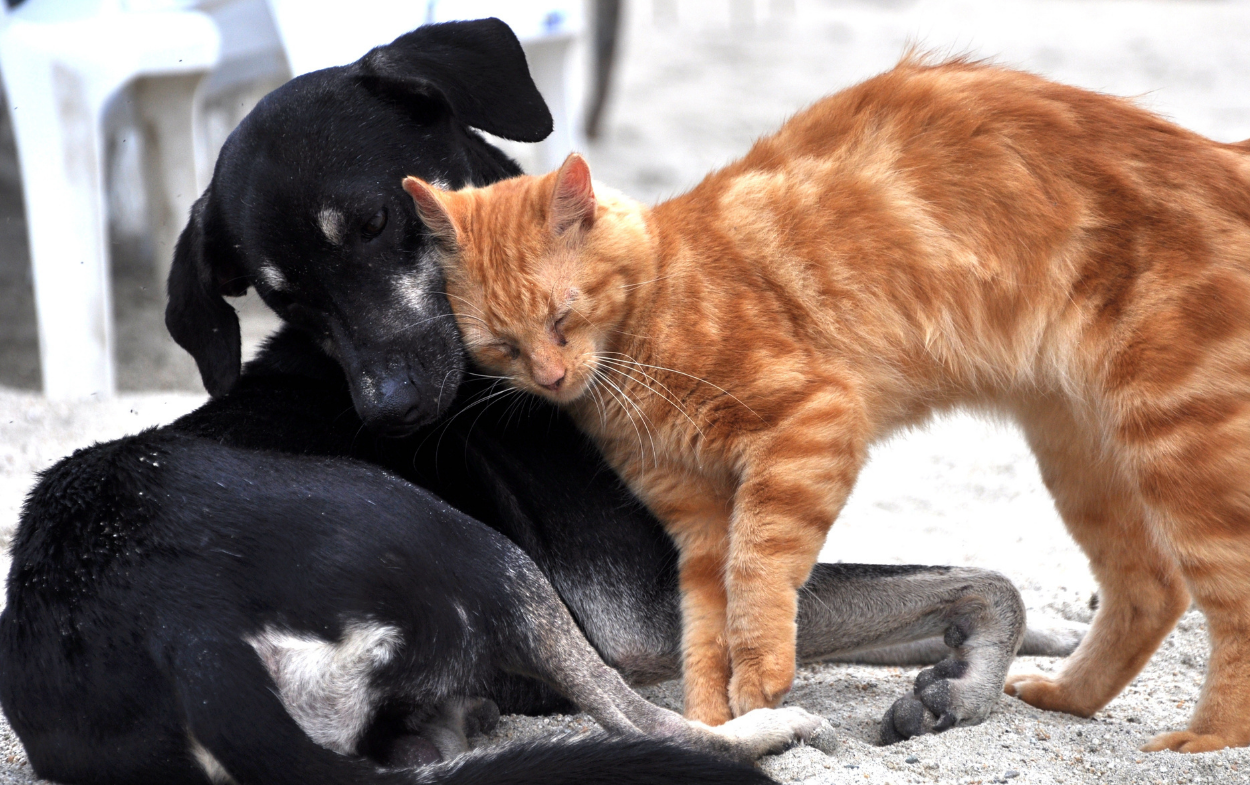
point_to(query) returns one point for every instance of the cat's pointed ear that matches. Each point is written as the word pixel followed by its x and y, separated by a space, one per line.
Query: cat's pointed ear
pixel 573 199
pixel 432 209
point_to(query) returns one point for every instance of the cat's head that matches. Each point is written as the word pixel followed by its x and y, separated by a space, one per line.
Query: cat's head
pixel 534 273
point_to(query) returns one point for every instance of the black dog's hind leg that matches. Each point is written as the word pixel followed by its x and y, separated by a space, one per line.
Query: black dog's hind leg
pixel 546 643
pixel 968 618
pixel 239 730
pixel 848 610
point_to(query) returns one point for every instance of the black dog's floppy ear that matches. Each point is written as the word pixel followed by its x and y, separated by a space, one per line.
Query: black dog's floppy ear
pixel 197 315
pixel 477 68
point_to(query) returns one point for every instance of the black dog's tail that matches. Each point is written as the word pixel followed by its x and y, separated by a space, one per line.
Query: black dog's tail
pixel 245 733
pixel 593 760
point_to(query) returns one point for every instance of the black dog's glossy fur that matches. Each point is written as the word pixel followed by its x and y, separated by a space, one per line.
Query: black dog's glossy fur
pixel 246 593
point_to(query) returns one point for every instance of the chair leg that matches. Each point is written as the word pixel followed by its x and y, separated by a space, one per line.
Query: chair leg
pixel 549 65
pixel 60 72
pixel 607 26
pixel 60 149
pixel 167 109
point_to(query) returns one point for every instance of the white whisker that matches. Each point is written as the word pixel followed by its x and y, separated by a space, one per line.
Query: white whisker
pixel 618 365
pixel 688 375
pixel 466 302
pixel 646 422
pixel 628 286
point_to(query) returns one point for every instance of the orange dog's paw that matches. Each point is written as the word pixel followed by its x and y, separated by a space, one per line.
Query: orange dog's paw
pixel 758 684
pixel 1047 693
pixel 1186 741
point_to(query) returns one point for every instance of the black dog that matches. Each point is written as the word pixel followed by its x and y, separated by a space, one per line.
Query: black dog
pixel 244 595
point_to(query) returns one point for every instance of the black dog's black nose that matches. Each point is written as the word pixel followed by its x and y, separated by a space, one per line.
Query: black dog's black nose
pixel 397 404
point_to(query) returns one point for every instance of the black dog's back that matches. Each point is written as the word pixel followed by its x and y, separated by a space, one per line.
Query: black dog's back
pixel 141 567
pixel 84 524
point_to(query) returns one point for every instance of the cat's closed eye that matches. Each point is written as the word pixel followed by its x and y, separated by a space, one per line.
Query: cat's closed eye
pixel 557 328
pixel 508 348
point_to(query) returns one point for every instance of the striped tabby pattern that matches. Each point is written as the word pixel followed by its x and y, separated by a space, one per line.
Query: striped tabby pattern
pixel 942 235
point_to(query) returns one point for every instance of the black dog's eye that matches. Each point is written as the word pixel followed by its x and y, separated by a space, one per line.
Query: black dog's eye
pixel 375 226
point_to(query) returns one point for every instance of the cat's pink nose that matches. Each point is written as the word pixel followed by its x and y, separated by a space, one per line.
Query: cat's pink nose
pixel 555 385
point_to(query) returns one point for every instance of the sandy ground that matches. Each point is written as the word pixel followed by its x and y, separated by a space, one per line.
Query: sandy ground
pixel 699 80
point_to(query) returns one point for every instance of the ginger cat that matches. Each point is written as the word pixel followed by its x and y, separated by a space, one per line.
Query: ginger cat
pixel 938 236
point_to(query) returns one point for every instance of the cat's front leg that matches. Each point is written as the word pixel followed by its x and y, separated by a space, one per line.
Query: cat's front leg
pixel 705 651
pixel 795 481
pixel 699 524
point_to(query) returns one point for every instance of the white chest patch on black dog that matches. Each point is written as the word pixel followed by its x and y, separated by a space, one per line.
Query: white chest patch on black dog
pixel 326 685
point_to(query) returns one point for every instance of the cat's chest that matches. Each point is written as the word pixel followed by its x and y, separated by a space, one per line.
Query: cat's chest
pixel 644 446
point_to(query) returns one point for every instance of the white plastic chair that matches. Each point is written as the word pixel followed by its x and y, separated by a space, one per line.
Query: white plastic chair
pixel 321 33
pixel 62 61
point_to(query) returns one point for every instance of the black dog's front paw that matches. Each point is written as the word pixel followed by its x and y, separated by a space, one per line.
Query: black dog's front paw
pixel 936 703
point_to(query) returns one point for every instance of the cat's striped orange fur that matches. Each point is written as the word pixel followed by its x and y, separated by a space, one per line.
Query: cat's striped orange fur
pixel 938 236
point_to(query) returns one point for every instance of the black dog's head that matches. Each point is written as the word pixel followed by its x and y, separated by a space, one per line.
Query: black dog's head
pixel 306 205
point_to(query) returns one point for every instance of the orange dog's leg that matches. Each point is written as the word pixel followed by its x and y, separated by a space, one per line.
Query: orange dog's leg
pixel 1195 475
pixel 794 483
pixel 1140 593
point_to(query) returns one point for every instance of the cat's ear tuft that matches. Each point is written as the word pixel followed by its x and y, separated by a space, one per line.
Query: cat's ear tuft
pixel 573 200
pixel 432 209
